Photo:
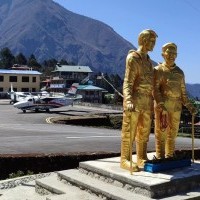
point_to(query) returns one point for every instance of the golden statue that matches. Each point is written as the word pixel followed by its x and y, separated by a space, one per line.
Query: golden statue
pixel 138 101
pixel 169 94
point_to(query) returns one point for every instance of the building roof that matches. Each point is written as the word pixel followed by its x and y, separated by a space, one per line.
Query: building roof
pixel 26 72
pixel 90 87
pixel 20 67
pixel 72 68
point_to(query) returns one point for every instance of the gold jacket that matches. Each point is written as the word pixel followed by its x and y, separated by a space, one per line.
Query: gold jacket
pixel 169 85
pixel 138 81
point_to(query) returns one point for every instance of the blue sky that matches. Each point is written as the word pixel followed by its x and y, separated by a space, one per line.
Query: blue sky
pixel 175 21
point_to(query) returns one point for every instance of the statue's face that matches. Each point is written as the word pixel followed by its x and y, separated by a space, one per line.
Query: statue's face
pixel 150 43
pixel 170 55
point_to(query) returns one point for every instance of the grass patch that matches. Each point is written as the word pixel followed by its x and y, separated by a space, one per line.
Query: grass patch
pixel 20 173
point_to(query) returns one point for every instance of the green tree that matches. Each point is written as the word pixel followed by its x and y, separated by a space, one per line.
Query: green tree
pixel 186 117
pixel 63 62
pixel 20 59
pixel 7 58
pixel 116 81
pixel 32 62
pixel 48 66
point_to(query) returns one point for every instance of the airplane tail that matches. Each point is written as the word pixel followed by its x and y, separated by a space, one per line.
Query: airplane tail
pixel 11 88
pixel 73 89
pixel 12 94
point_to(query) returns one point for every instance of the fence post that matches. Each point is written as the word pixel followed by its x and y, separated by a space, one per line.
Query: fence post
pixel 193 138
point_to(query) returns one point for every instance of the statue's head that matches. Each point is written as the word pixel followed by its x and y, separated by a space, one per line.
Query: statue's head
pixel 147 39
pixel 169 53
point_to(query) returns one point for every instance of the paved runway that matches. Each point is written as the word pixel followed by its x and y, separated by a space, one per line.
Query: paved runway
pixel 22 133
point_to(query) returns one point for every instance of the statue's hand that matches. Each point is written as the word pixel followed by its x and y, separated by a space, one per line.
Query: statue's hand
pixel 130 107
pixel 164 114
pixel 162 108
pixel 164 111
pixel 164 118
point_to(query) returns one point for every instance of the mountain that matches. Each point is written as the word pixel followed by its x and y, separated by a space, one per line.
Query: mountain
pixel 193 90
pixel 47 30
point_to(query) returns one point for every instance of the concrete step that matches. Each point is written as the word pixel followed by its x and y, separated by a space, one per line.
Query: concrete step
pixel 58 197
pixel 60 190
pixel 50 184
pixel 22 192
pixel 97 186
pixel 78 196
pixel 152 185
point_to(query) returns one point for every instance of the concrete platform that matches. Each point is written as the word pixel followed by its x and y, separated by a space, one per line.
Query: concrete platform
pixel 152 185
pixel 56 189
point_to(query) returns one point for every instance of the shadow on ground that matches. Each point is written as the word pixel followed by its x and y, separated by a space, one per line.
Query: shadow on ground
pixel 112 121
pixel 41 163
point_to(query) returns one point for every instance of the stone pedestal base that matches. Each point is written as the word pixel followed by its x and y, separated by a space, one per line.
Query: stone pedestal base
pixel 166 165
pixel 152 185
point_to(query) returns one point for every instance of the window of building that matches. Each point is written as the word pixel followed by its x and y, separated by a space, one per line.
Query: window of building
pixel 33 90
pixel 1 89
pixel 34 79
pixel 13 78
pixel 25 89
pixel 25 79
pixel 91 92
pixel 1 78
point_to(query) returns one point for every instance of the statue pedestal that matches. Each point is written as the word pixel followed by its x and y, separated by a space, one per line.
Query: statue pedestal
pixel 180 183
pixel 166 165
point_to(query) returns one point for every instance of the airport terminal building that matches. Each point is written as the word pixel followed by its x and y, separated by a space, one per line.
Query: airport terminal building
pixel 22 80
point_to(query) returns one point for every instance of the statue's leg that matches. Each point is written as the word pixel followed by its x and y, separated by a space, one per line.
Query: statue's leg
pixel 129 124
pixel 174 120
pixel 142 137
pixel 160 149
pixel 160 136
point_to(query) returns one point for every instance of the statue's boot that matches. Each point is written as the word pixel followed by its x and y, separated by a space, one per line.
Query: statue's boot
pixel 141 149
pixel 125 157
pixel 160 149
pixel 169 148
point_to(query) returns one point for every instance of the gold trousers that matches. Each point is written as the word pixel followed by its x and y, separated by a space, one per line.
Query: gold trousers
pixel 165 139
pixel 136 125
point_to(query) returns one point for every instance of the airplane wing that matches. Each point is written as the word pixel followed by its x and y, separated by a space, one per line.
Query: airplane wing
pixel 44 103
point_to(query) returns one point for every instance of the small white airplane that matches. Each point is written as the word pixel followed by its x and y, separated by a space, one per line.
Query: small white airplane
pixel 46 103
pixel 20 96
pixel 17 96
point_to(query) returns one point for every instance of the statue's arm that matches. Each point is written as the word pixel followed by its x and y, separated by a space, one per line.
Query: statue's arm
pixel 129 79
pixel 184 96
pixel 185 100
pixel 157 86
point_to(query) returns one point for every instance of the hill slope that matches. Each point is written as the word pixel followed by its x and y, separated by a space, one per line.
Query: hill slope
pixel 48 30
pixel 193 90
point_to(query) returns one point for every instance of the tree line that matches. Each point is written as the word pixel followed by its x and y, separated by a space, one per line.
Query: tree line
pixel 7 60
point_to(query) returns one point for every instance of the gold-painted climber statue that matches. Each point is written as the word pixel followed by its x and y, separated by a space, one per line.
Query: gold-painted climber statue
pixel 138 101
pixel 170 94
